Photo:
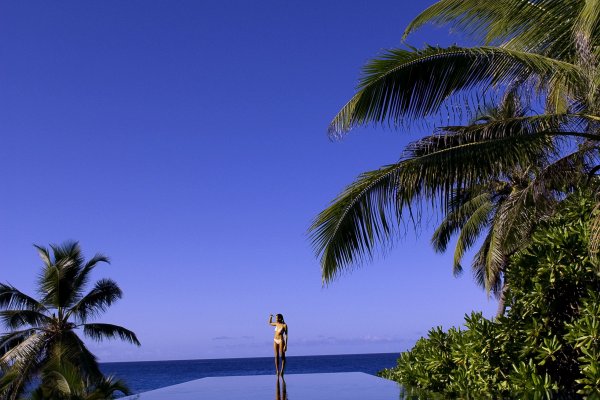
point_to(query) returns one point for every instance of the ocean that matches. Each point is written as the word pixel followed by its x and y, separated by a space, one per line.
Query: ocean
pixel 148 375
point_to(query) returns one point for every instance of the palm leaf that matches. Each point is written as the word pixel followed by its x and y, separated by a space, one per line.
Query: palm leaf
pixel 102 296
pixel 107 387
pixel 57 281
pixel 44 254
pixel 543 26
pixel 470 231
pixel 74 350
pixel 587 24
pixel 22 353
pixel 594 243
pixel 57 385
pixel 406 85
pixel 13 338
pixel 69 258
pixel 363 215
pixel 563 174
pixel 16 319
pixel 449 137
pixel 83 276
pixel 21 363
pixel 482 273
pixel 12 298
pixel 495 262
pixel 367 213
pixel 461 206
pixel 510 230
pixel 107 331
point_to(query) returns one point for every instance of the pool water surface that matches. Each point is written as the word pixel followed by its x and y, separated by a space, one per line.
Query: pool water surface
pixel 339 386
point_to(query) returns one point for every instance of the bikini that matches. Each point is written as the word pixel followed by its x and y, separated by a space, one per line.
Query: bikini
pixel 277 341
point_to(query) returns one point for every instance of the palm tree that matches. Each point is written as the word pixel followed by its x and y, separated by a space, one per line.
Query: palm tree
pixel 546 53
pixel 43 333
pixel 505 209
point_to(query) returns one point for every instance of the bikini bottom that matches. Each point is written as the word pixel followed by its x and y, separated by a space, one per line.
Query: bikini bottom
pixel 277 341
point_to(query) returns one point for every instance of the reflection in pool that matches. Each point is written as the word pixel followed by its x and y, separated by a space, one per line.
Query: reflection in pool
pixel 338 386
pixel 281 390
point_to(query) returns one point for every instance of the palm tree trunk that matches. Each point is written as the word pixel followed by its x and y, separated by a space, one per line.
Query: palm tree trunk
pixel 502 300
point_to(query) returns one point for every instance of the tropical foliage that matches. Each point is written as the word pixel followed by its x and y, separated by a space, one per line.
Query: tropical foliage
pixel 548 343
pixel 503 209
pixel 488 177
pixel 41 339
pixel 63 381
pixel 524 135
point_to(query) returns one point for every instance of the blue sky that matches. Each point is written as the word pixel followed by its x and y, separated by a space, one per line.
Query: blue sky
pixel 187 141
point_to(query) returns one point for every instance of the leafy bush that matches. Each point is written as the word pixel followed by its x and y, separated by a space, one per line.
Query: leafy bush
pixel 547 345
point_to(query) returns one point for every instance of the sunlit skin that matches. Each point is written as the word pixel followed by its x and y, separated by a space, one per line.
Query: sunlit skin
pixel 280 342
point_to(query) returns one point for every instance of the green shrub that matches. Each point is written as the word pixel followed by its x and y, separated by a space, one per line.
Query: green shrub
pixel 547 345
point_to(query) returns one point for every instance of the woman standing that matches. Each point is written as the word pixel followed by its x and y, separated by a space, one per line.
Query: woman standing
pixel 279 342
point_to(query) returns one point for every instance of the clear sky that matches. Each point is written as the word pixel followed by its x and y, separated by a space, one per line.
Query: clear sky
pixel 187 141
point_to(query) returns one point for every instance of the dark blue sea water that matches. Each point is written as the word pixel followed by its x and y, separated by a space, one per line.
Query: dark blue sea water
pixel 149 375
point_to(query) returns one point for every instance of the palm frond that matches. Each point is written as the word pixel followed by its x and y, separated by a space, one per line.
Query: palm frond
pixel 461 206
pixel 47 282
pixel 594 243
pixel 57 385
pixel 102 296
pixel 446 137
pixel 543 26
pixel 515 220
pixel 10 386
pixel 557 101
pixel 107 331
pixel 12 298
pixel 68 252
pixel 20 364
pixel 488 263
pixel 496 260
pixel 513 225
pixel 363 215
pixel 26 351
pixel 564 174
pixel 107 387
pixel 44 254
pixel 16 319
pixel 470 231
pixel 467 165
pixel 62 379
pixel 587 24
pixel 13 338
pixel 83 276
pixel 406 85
pixel 74 350
pixel 57 281
pixel 367 213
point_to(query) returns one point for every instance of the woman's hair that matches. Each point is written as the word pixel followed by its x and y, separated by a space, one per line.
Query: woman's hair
pixel 279 318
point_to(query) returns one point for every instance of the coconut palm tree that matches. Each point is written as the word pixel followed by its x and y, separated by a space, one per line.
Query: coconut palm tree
pixel 43 332
pixel 505 209
pixel 546 53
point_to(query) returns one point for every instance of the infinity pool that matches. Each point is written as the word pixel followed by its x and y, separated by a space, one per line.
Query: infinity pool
pixel 338 386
